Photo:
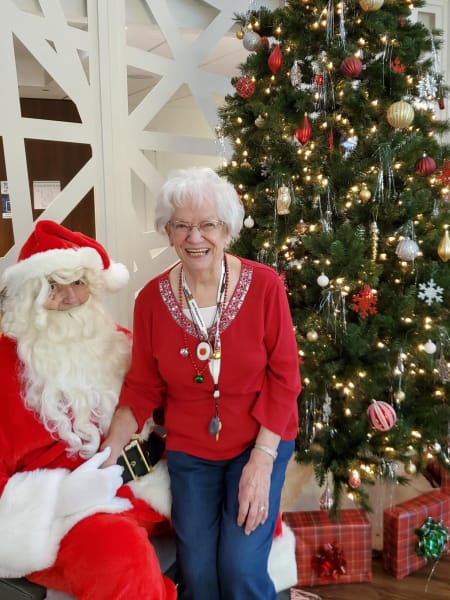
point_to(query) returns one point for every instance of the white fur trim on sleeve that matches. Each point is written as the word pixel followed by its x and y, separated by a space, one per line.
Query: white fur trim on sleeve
pixel 27 507
pixel 154 488
pixel 30 531
pixel 282 562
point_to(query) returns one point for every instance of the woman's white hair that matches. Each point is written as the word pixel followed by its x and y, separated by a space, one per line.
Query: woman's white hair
pixel 195 187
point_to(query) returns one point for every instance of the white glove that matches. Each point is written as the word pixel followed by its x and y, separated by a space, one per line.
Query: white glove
pixel 88 486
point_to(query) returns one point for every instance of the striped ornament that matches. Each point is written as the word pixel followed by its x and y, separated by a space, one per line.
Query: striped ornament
pixel 381 415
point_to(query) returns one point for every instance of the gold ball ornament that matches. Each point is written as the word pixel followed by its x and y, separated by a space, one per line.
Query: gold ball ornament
pixel 399 395
pixel 444 247
pixel 365 194
pixel 301 227
pixel 400 115
pixel 240 34
pixel 410 468
pixel 312 336
pixel 260 122
pixel 371 5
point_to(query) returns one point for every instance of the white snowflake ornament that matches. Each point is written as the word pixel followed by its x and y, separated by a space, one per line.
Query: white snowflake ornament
pixel 430 292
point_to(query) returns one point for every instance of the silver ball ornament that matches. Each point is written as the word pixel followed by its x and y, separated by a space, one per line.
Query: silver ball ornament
pixel 251 40
pixel 249 222
pixel 435 448
pixel 429 347
pixel 323 280
pixel 407 249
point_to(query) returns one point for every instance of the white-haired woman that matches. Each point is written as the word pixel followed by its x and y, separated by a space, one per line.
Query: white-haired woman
pixel 214 345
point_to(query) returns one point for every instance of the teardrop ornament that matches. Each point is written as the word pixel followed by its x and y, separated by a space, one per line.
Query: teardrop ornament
pixel 444 247
pixel 326 499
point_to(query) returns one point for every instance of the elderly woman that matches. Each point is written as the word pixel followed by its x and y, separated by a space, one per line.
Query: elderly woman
pixel 214 345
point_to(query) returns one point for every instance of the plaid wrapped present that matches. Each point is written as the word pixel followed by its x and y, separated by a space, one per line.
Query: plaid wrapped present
pixel 399 524
pixel 331 552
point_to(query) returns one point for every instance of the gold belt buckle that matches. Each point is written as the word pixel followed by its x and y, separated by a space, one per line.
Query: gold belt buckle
pixel 131 463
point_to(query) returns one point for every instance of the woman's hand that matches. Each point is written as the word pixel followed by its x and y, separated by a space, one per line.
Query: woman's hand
pixel 123 425
pixel 254 488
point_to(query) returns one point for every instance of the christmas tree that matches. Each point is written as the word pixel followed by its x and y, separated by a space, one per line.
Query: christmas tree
pixel 339 157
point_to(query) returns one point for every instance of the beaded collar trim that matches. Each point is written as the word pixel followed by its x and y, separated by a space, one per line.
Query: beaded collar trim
pixel 231 309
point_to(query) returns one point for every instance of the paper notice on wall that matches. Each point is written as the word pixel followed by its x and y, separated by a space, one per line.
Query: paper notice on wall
pixel 6 200
pixel 44 192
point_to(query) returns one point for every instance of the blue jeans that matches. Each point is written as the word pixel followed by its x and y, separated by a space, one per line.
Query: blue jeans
pixel 216 560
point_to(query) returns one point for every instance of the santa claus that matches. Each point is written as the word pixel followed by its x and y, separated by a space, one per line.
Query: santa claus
pixel 66 522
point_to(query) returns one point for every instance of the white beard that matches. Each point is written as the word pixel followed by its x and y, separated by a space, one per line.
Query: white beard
pixel 74 365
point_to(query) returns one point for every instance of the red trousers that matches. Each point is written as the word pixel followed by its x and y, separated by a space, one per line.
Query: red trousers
pixel 109 557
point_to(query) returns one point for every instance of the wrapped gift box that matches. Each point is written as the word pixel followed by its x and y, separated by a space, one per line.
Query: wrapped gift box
pixel 399 524
pixel 350 536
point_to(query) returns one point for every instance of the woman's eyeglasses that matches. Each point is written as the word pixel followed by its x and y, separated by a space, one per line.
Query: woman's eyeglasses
pixel 183 228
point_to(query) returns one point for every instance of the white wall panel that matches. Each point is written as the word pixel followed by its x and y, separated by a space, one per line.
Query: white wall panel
pixel 143 77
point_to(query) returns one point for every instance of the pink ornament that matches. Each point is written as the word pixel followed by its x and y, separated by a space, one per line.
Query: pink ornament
pixel 381 415
pixel 354 481
pixel 351 67
pixel 245 87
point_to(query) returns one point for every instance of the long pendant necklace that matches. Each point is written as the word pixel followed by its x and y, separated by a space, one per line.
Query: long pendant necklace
pixel 209 348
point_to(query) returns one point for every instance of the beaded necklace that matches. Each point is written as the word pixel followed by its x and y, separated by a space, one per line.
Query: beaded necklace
pixel 208 349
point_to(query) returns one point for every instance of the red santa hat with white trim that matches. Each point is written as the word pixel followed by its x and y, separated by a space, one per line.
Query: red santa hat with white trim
pixel 51 247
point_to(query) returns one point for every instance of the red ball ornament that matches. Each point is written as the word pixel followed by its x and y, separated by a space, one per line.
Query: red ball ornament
pixel 354 481
pixel 303 134
pixel 275 60
pixel 381 415
pixel 245 87
pixel 425 165
pixel 351 67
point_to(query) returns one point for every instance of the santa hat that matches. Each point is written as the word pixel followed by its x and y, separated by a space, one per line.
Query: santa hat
pixel 52 247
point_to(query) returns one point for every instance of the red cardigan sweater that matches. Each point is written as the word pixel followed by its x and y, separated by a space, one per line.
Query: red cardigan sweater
pixel 259 379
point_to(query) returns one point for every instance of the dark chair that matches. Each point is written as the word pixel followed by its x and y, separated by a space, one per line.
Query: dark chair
pixel 21 589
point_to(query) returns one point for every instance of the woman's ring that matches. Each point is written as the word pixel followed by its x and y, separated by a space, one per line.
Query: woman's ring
pixel 262 508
